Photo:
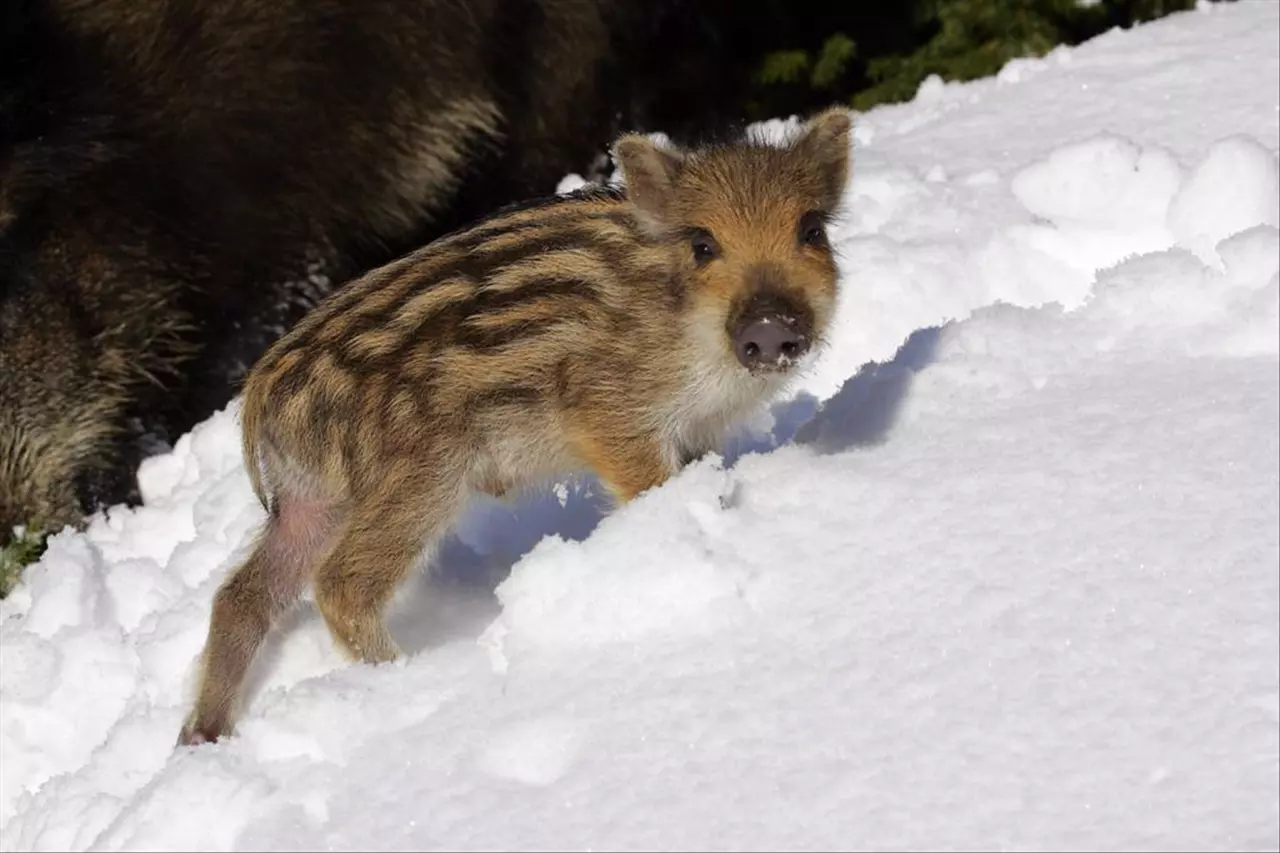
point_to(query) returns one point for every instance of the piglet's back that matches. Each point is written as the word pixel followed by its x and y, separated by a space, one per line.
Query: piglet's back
pixel 502 314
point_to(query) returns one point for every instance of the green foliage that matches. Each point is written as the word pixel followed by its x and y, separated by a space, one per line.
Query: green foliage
pixel 795 73
pixel 784 66
pixel 17 555
pixel 975 38
pixel 870 60
pixel 837 52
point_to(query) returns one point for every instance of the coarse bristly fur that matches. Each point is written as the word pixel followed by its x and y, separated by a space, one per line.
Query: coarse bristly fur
pixel 621 332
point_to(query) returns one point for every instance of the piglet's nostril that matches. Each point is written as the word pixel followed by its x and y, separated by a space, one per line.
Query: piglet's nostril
pixel 768 341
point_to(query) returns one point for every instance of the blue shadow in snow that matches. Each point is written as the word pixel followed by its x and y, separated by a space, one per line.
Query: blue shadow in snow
pixel 861 414
pixel 865 410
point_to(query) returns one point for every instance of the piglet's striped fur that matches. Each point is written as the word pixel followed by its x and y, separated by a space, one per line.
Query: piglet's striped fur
pixel 621 332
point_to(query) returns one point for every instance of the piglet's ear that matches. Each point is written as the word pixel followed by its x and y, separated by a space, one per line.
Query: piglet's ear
pixel 650 173
pixel 823 147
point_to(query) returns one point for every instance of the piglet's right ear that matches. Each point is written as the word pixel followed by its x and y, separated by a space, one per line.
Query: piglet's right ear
pixel 824 146
pixel 650 173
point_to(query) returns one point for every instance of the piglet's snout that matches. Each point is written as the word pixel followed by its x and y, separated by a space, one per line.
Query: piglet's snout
pixel 773 329
pixel 770 340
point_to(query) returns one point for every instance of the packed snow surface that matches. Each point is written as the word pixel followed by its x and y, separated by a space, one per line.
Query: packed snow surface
pixel 1003 573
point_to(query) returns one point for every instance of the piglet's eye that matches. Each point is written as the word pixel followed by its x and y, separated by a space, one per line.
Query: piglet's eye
pixel 705 247
pixel 812 230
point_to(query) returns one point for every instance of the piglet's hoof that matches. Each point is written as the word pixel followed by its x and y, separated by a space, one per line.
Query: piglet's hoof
pixel 193 735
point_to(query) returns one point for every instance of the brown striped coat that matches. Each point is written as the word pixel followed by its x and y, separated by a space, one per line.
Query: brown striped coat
pixel 619 332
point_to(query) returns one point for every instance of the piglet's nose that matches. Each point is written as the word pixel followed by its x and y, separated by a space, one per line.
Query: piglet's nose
pixel 767 341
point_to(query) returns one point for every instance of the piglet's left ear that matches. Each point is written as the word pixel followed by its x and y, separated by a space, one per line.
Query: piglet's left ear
pixel 650 173
pixel 823 146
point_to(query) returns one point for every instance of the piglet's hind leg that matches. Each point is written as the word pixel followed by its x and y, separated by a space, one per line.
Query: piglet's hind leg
pixel 294 541
pixel 386 536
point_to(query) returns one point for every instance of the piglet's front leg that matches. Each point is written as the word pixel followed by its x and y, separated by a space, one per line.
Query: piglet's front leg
pixel 626 464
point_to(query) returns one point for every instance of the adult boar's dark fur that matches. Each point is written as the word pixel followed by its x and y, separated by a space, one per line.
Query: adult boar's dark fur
pixel 180 181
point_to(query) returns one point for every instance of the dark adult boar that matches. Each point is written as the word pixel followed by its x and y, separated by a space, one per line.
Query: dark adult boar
pixel 179 181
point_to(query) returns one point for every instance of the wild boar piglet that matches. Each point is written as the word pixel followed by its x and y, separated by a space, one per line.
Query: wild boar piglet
pixel 620 331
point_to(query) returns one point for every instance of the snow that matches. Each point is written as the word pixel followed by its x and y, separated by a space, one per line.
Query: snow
pixel 1004 572
pixel 1202 214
